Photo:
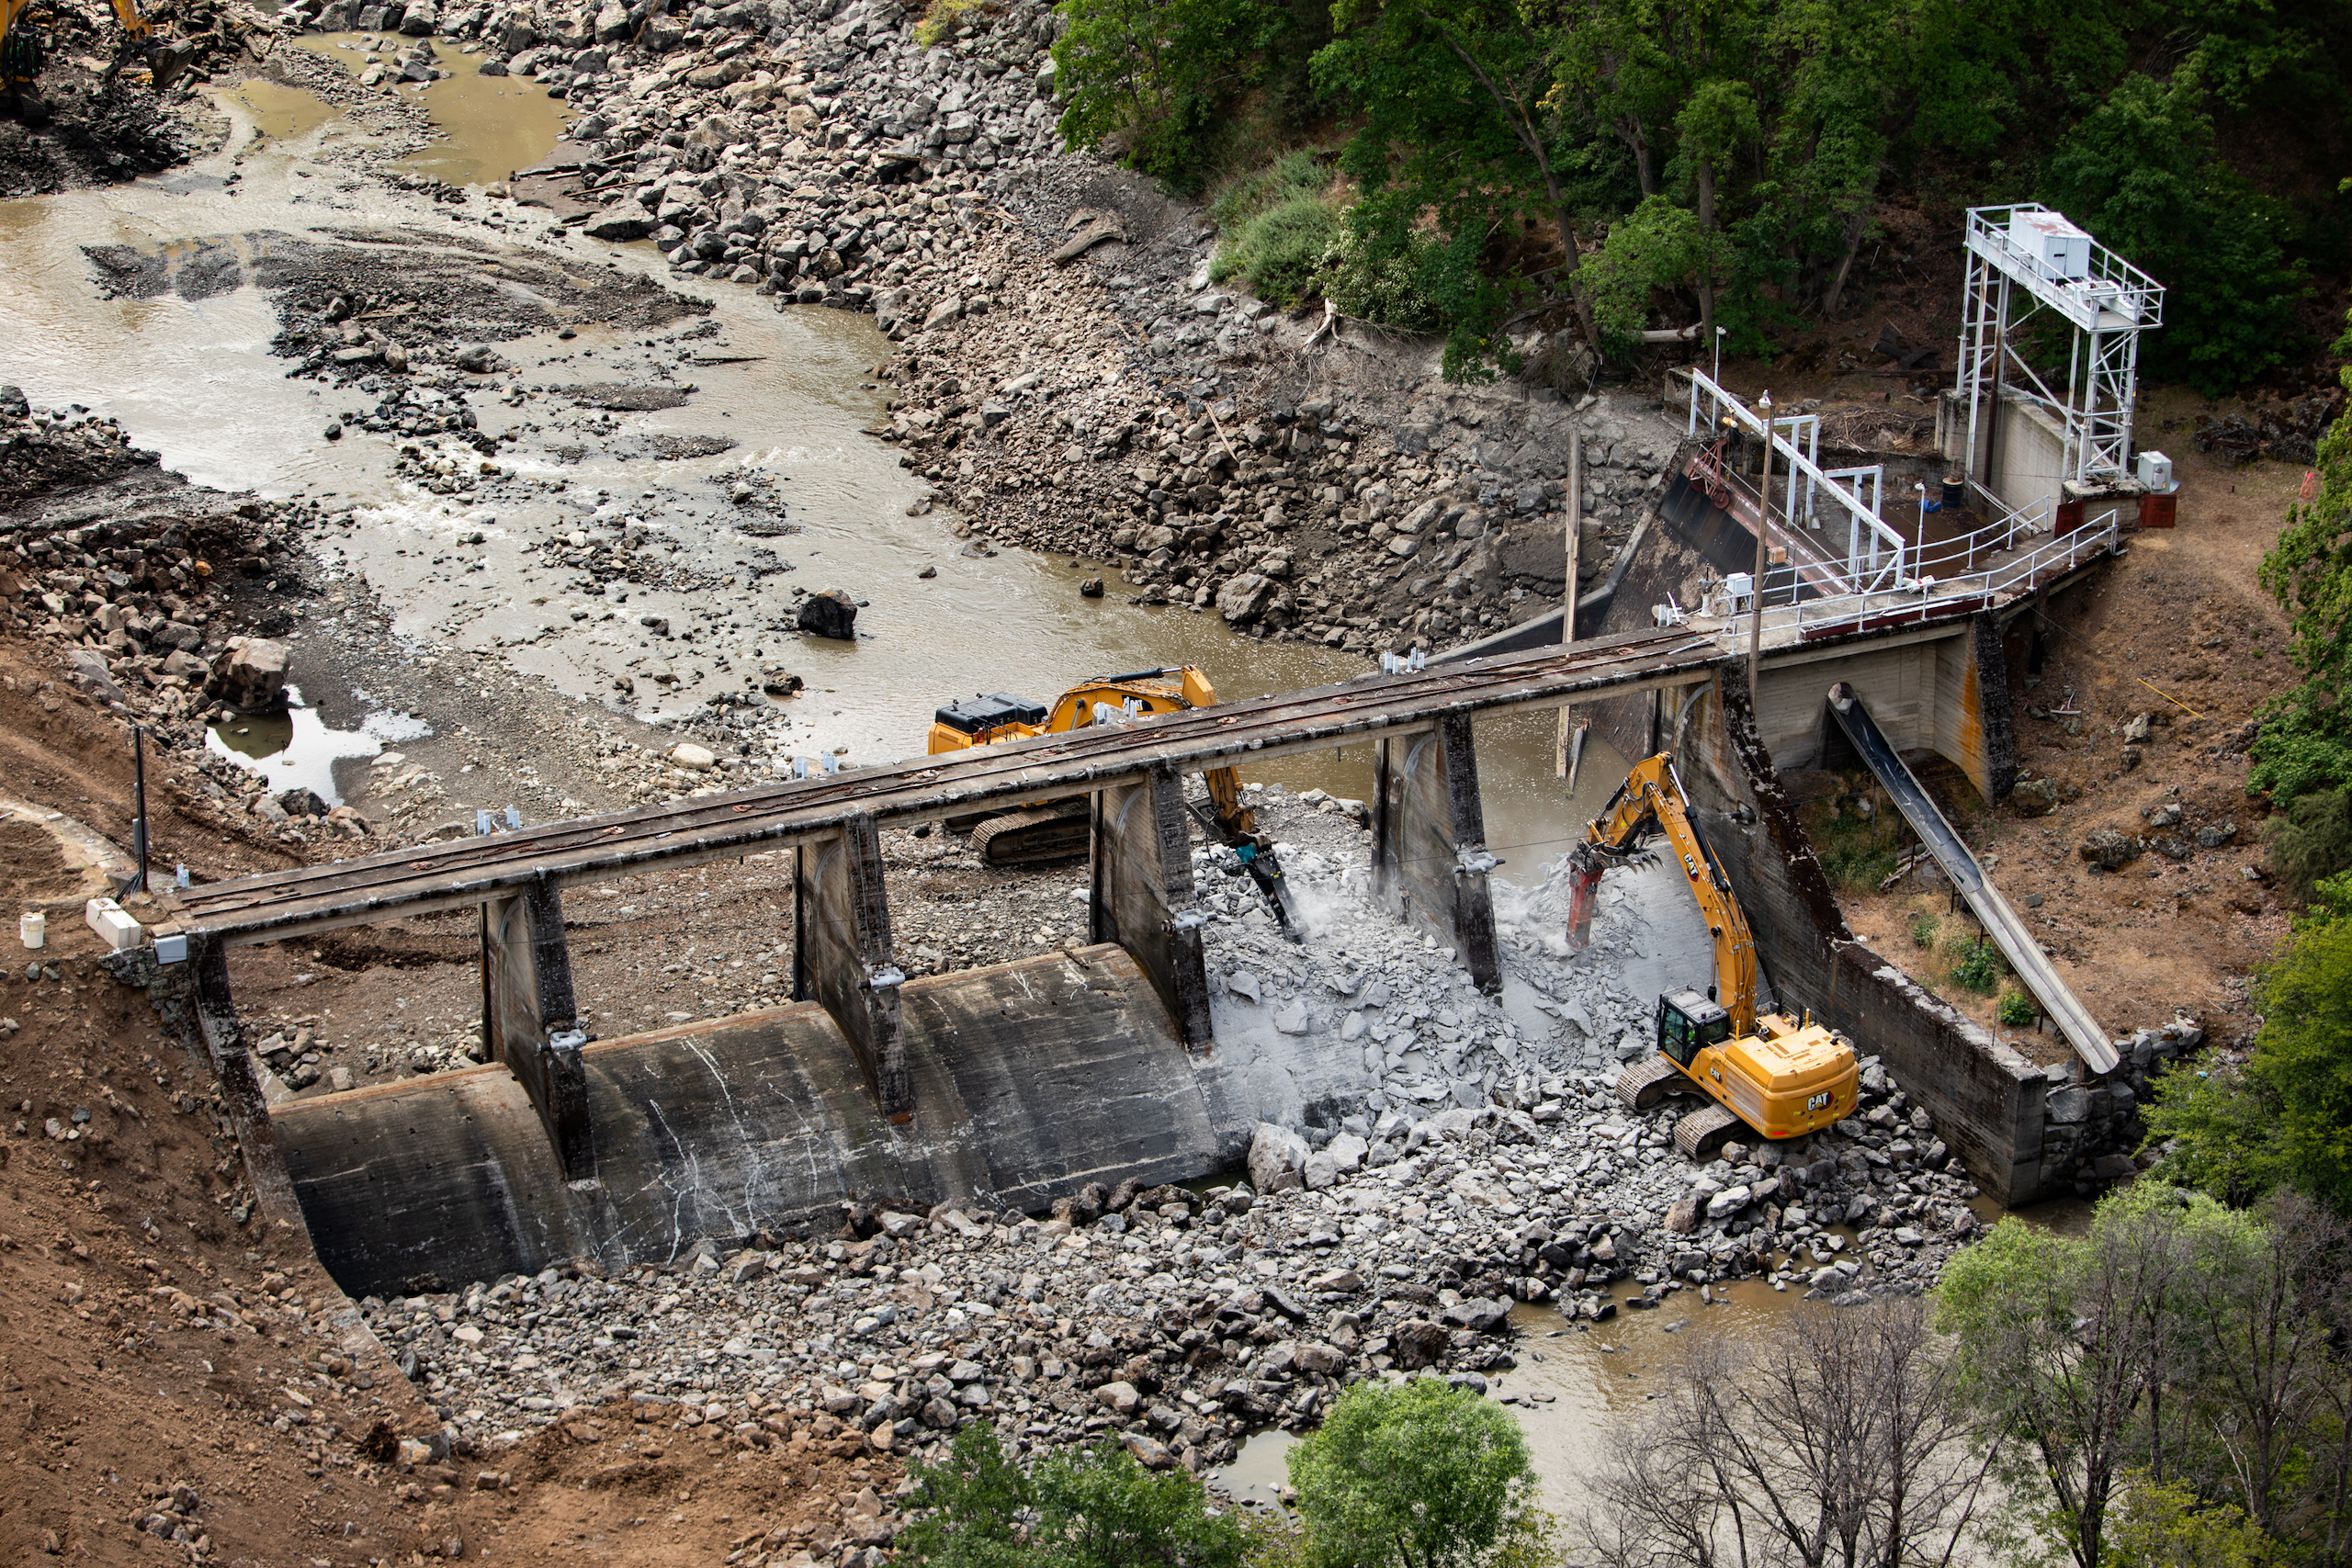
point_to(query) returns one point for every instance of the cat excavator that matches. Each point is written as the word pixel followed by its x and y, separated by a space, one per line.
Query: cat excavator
pixel 1781 1078
pixel 1055 829
pixel 21 50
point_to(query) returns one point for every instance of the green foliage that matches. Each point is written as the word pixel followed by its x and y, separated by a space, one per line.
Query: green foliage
pixel 1657 248
pixel 2305 743
pixel 1293 174
pixel 1419 1474
pixel 1850 849
pixel 1379 284
pixel 1156 74
pixel 1280 251
pixel 2141 171
pixel 1080 1508
pixel 2284 1119
pixel 2312 840
pixel 1923 931
pixel 1457 160
pixel 1981 967
pixel 2016 1010
pixel 2168 1524
pixel 971 1505
pixel 939 21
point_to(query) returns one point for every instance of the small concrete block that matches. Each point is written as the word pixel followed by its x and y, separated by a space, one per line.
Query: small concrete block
pixel 117 929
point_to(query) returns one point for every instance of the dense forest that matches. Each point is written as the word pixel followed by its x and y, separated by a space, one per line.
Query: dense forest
pixel 1612 166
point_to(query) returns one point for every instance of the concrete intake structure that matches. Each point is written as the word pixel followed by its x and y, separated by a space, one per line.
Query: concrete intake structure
pixel 1029 1080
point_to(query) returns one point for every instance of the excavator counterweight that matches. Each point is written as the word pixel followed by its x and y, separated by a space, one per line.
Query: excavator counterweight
pixel 1779 1076
pixel 1049 829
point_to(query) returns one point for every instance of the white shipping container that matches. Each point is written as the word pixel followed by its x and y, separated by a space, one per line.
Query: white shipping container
pixel 2052 241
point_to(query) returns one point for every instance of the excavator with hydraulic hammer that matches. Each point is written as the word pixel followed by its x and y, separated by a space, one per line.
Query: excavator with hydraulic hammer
pixel 23 51
pixel 1055 829
pixel 1781 1078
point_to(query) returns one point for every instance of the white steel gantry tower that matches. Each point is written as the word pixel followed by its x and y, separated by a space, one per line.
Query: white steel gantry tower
pixel 2108 303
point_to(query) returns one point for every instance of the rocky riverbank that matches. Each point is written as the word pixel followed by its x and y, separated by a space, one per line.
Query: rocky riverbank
pixel 1066 377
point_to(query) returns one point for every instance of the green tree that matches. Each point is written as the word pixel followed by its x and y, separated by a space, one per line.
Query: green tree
pixel 2064 1347
pixel 2143 172
pixel 2305 744
pixel 1419 1474
pixel 970 1506
pixel 1456 124
pixel 1079 1508
pixel 2285 1117
pixel 2168 1524
pixel 1156 73
pixel 1657 248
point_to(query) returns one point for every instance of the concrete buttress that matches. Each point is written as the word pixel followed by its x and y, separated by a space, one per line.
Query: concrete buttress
pixel 528 1015
pixel 841 956
pixel 1429 853
pixel 1142 894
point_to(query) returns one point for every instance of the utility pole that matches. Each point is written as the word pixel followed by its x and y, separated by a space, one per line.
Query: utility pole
pixel 1568 596
pixel 1755 587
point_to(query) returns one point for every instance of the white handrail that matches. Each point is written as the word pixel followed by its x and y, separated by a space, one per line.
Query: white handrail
pixel 1797 466
pixel 1933 600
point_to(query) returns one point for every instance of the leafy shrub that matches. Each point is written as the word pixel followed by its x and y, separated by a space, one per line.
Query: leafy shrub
pixel 1280 251
pixel 1420 1473
pixel 1980 967
pixel 1657 248
pixel 1923 932
pixel 939 20
pixel 1851 854
pixel 1383 284
pixel 2312 841
pixel 1079 1508
pixel 1289 176
pixel 2238 1131
pixel 2016 1010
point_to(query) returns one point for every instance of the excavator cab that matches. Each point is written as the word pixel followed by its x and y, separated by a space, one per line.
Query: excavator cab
pixel 1686 1023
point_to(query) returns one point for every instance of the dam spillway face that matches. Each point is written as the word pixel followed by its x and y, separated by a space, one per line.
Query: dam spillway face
pixel 1030 1079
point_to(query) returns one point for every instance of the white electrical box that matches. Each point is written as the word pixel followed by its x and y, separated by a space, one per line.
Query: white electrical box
pixel 2155 472
pixel 1738 587
pixel 2053 241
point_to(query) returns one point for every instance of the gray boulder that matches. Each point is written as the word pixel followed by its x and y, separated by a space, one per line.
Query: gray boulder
pixel 250 674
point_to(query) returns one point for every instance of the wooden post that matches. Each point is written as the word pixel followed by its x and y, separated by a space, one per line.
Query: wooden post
pixel 1568 592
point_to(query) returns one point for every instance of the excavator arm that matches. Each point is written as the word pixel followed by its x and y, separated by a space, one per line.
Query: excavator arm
pixel 1170 689
pixel 135 29
pixel 1651 800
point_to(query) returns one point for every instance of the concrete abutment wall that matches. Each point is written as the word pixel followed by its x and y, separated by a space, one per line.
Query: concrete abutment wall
pixel 1987 1100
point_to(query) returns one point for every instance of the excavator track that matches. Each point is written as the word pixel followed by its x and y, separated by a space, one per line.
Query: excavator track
pixel 1702 1133
pixel 1644 1083
pixel 1030 838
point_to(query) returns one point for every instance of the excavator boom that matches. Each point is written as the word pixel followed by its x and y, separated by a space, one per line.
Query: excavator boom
pixel 1651 800
pixel 1779 1076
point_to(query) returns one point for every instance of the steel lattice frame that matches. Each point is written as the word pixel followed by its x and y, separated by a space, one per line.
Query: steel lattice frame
pixel 2107 310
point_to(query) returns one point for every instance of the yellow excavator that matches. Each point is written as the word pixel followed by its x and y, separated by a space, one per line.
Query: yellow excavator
pixel 1055 829
pixel 1781 1078
pixel 21 51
